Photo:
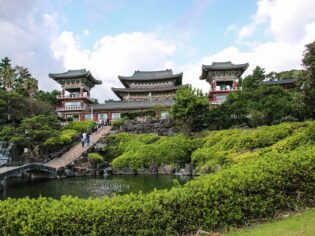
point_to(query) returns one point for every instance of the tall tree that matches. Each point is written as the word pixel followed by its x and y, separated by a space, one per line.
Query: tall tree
pixel 253 81
pixel 308 86
pixel 190 107
pixel 25 84
pixel 7 74
pixel 48 97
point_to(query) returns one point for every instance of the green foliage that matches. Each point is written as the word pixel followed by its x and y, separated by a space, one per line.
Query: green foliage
pixel 65 137
pixel 251 189
pixel 95 157
pixel 81 126
pixel 118 122
pixel 33 132
pixel 14 107
pixel 48 97
pixel 264 105
pixel 145 150
pixel 253 81
pixel 190 107
pixel 222 148
pixel 308 82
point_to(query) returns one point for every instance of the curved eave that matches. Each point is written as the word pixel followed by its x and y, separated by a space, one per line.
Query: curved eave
pixel 62 76
pixel 206 68
pixel 119 91
pixel 124 79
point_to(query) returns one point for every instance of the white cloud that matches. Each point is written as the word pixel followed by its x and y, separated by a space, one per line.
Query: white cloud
pixel 114 55
pixel 286 19
pixel 291 25
pixel 26 32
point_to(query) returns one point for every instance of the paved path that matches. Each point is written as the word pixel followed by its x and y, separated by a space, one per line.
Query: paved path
pixel 76 151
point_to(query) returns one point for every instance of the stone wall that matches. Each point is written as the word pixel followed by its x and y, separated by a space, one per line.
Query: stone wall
pixel 163 127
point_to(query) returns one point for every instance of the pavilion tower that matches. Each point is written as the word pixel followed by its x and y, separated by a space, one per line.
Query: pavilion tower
pixel 75 101
pixel 223 78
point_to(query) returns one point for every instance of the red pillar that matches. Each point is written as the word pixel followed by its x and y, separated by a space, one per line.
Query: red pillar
pixel 81 117
pixel 109 115
pixel 81 91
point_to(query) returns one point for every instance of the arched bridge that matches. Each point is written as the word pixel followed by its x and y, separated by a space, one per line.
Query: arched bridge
pixel 8 171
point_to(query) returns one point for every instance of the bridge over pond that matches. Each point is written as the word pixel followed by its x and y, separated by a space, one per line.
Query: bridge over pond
pixel 49 170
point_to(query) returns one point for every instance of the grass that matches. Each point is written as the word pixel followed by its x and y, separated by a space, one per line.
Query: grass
pixel 296 224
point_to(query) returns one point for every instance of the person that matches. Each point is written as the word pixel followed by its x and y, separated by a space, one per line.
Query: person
pixel 102 123
pixel 83 140
pixel 88 139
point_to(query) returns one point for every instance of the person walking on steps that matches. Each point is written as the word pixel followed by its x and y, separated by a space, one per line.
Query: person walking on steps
pixel 83 140
pixel 88 139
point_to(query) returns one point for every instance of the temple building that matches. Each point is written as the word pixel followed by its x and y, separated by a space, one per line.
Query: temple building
pixel 75 102
pixel 144 90
pixel 223 78
pixel 149 86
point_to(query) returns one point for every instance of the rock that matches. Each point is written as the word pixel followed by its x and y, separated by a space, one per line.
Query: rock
pixel 68 172
pixel 163 127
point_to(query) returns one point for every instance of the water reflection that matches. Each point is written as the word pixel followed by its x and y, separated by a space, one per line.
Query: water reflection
pixel 85 187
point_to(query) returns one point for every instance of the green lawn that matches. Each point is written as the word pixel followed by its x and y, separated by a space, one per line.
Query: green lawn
pixel 296 224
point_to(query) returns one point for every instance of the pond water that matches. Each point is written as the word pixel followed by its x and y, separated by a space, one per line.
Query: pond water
pixel 84 187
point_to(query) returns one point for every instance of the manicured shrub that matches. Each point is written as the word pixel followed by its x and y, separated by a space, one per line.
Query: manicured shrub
pixel 252 189
pixel 81 126
pixel 95 157
pixel 146 150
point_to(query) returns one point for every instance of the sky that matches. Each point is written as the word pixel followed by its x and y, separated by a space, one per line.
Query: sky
pixel 117 37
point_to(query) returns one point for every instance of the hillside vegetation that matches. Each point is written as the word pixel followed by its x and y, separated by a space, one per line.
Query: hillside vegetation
pixel 267 171
pixel 211 151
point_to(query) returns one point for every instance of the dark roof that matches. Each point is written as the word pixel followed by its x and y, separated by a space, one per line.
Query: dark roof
pixel 75 74
pixel 151 76
pixel 280 82
pixel 228 65
pixel 118 91
pixel 125 105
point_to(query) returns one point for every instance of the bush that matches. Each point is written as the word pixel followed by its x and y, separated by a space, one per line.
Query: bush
pixel 118 122
pixel 65 137
pixel 81 126
pixel 251 189
pixel 147 150
pixel 221 147
pixel 95 157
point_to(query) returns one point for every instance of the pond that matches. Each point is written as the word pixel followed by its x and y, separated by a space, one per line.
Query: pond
pixel 91 186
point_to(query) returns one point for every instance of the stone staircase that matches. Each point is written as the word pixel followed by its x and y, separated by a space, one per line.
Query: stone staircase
pixel 76 151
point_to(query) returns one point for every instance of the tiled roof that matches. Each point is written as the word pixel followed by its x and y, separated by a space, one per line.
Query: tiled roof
pixel 225 66
pixel 118 91
pixel 75 74
pixel 222 66
pixel 278 82
pixel 151 76
pixel 125 105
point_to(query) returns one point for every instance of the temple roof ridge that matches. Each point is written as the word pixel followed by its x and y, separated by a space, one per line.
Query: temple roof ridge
pixel 76 73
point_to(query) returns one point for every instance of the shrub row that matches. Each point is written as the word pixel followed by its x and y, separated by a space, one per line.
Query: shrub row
pixel 251 189
pixel 146 150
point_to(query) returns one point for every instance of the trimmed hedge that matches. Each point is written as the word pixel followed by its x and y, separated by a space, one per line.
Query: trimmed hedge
pixel 249 190
pixel 279 176
pixel 81 126
pixel 147 150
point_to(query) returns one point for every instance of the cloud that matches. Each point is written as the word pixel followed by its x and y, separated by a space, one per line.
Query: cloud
pixel 111 56
pixel 290 24
pixel 286 19
pixel 26 33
